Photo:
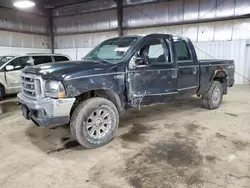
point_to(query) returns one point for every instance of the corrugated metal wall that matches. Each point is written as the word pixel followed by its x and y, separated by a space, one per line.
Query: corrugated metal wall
pixel 209 31
pixel 74 53
pixel 23 22
pixel 21 51
pixel 82 40
pixel 179 11
pixel 23 40
pixel 200 20
pixel 220 27
pixel 23 30
pixel 236 50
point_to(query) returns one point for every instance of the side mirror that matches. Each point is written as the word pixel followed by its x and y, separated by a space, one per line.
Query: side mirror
pixel 9 67
pixel 29 63
pixel 138 61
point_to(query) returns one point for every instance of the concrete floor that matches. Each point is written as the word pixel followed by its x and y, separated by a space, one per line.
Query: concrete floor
pixel 168 146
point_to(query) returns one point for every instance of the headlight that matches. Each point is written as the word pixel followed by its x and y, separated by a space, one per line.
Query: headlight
pixel 54 89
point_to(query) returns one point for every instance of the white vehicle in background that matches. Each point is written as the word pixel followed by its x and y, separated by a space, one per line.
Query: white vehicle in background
pixel 11 66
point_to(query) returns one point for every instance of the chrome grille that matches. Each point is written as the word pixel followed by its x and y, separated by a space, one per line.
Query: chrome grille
pixel 31 86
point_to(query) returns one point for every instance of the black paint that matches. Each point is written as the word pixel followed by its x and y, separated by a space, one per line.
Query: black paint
pixel 158 83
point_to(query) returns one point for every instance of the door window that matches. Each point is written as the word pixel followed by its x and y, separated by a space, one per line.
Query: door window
pixel 19 63
pixel 153 52
pixel 182 51
pixel 61 58
pixel 41 59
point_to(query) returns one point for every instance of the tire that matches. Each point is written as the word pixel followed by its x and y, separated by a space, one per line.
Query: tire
pixel 94 122
pixel 213 98
pixel 2 93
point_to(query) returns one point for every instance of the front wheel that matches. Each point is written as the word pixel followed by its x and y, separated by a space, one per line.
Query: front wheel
pixel 213 98
pixel 94 122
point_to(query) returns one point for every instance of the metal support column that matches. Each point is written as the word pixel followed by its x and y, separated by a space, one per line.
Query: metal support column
pixel 51 31
pixel 120 16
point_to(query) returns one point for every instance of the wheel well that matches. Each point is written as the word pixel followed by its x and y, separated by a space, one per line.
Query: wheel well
pixel 220 76
pixel 2 86
pixel 107 94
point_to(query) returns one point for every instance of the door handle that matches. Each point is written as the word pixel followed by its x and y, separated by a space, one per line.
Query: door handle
pixel 174 73
pixel 194 70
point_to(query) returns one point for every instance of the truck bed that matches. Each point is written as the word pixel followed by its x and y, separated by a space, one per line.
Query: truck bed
pixel 209 66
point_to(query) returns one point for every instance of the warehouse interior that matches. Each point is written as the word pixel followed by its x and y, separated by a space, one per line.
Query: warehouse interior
pixel 219 29
pixel 165 146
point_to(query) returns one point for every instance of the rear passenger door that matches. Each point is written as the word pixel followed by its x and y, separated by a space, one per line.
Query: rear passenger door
pixel 38 60
pixel 188 77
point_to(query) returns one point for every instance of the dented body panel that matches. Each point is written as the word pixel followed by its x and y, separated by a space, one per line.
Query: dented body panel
pixel 209 69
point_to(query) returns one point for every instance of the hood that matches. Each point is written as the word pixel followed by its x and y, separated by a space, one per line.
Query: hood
pixel 60 70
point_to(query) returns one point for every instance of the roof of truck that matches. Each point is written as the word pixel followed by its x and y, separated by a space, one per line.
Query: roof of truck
pixel 45 54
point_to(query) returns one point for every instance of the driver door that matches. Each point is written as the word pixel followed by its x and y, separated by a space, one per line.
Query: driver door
pixel 153 81
pixel 13 71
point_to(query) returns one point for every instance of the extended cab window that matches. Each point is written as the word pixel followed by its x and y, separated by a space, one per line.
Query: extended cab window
pixel 182 51
pixel 19 63
pixel 41 59
pixel 61 58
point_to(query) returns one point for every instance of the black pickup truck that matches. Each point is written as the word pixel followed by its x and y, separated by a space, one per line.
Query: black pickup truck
pixel 120 73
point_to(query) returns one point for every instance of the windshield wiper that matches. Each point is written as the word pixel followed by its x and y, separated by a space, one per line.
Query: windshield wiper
pixel 100 60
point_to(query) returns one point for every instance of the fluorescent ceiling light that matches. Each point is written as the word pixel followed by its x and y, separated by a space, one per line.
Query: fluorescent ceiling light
pixel 24 4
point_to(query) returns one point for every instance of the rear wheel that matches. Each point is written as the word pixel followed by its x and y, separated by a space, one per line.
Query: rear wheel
pixel 213 98
pixel 94 122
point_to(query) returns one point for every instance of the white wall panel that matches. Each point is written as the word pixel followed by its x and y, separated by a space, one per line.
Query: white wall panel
pixel 84 7
pixel 86 22
pixel 225 8
pixel 14 39
pixel 190 31
pixel 242 7
pixel 247 64
pixel 162 11
pixel 223 30
pixel 22 21
pixel 133 16
pixel 209 31
pixel 74 53
pixel 176 11
pixel 148 14
pixel 235 50
pixel 241 29
pixel 206 32
pixel 82 40
pixel 21 51
pixel 207 9
pixel 191 9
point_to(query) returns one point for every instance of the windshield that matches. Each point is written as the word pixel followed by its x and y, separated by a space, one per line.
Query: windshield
pixel 4 59
pixel 112 49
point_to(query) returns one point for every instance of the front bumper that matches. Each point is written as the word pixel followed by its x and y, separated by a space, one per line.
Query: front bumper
pixel 47 111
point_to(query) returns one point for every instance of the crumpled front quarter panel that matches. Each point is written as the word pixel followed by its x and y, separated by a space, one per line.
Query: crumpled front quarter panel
pixel 109 81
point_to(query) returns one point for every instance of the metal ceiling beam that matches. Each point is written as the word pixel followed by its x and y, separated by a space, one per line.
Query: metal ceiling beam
pixel 66 3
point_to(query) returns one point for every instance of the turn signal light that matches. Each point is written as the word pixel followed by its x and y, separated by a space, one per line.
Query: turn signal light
pixel 61 95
